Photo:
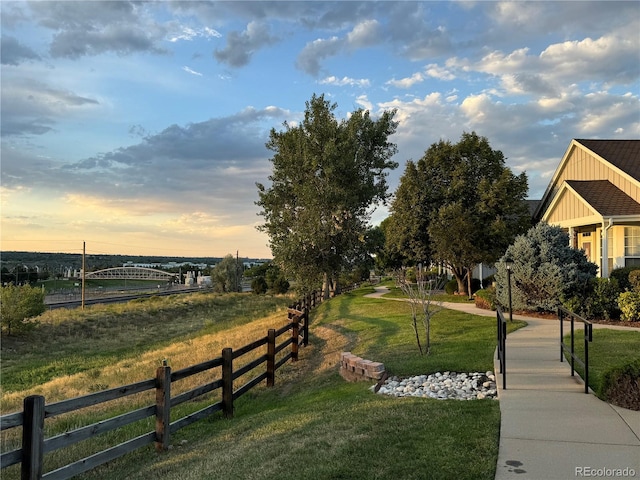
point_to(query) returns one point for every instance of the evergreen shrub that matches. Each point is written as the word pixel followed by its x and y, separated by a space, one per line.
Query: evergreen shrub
pixel 546 272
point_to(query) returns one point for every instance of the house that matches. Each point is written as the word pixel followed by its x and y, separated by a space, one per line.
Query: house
pixel 595 196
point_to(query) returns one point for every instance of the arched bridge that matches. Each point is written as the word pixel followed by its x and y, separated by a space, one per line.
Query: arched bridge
pixel 130 273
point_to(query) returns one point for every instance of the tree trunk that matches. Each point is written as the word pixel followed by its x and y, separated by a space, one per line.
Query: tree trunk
pixel 461 285
pixel 326 285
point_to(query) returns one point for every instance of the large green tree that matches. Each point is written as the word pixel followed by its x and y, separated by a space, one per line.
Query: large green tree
pixel 19 304
pixel 459 205
pixel 327 174
pixel 227 275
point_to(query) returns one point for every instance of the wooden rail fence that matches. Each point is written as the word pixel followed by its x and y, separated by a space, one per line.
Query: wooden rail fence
pixel 36 411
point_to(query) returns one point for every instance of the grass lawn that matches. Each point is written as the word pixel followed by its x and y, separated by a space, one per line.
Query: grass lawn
pixel 395 292
pixel 610 353
pixel 313 424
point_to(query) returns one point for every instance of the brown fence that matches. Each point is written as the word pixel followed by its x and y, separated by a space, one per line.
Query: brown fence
pixel 35 411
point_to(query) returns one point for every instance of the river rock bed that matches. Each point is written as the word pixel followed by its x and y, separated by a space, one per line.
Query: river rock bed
pixel 442 386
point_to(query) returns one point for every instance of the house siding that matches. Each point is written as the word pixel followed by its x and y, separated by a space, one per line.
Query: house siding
pixel 581 165
pixel 570 210
pixel 563 206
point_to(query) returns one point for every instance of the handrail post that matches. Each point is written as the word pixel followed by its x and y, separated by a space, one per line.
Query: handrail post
pixel 163 407
pixel 573 350
pixel 271 357
pixel 588 337
pixel 561 317
pixel 32 437
pixel 498 339
pixel 227 382
pixel 501 327
pixel 295 334
pixel 504 355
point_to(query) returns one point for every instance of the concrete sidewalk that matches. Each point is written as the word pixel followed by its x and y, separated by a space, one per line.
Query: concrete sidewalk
pixel 550 429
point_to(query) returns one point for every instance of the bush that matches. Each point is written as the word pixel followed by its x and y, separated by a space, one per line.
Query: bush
pixel 634 280
pixel 629 303
pixel 259 285
pixel 280 285
pixel 486 299
pixel 621 386
pixel 451 286
pixel 546 271
pixel 19 306
pixel 622 276
pixel 601 303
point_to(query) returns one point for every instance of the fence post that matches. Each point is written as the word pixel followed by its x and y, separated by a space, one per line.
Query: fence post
pixel 227 382
pixel 32 437
pixel 163 407
pixel 271 357
pixel 305 327
pixel 295 333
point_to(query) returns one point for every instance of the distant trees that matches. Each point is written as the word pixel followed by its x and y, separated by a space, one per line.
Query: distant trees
pixel 19 304
pixel 267 277
pixel 327 174
pixel 227 275
pixel 459 205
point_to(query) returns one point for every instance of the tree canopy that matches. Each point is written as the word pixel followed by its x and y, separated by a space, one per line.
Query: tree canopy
pixel 327 174
pixel 227 275
pixel 19 305
pixel 458 205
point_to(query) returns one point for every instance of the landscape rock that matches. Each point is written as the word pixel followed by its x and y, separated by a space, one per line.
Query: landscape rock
pixel 442 386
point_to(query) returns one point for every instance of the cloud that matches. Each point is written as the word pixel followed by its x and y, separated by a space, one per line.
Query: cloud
pixel 195 181
pixel 12 52
pixel 188 34
pixel 242 45
pixel 215 162
pixel 364 34
pixel 407 82
pixel 430 71
pixel 341 82
pixel 91 28
pixel 32 107
pixel 313 53
pixel 192 72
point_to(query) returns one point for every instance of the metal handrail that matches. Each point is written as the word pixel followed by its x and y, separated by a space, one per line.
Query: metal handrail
pixel 501 325
pixel 588 337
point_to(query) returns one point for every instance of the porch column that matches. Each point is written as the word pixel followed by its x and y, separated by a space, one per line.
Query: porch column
pixel 572 238
pixel 604 258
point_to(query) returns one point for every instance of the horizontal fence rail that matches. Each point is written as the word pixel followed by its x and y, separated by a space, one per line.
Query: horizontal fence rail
pixel 563 313
pixel 35 411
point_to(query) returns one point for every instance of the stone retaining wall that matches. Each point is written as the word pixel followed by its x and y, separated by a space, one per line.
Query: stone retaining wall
pixel 353 368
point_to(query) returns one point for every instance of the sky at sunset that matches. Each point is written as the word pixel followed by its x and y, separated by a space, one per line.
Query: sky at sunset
pixel 140 128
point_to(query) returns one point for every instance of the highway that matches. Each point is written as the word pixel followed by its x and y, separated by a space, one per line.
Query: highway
pixel 54 303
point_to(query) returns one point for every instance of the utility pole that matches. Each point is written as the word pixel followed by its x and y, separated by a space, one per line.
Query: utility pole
pixel 237 285
pixel 84 251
